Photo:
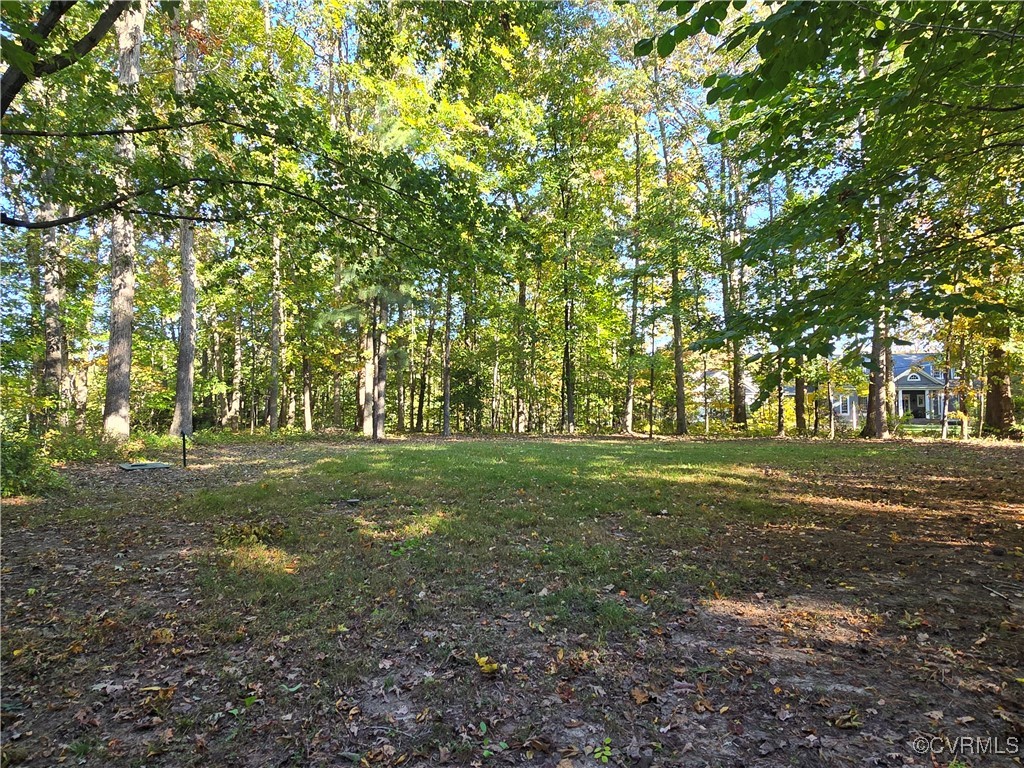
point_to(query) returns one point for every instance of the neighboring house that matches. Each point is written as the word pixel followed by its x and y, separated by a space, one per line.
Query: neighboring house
pixel 919 389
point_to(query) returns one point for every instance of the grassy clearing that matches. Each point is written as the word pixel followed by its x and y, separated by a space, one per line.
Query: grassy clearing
pixel 598 576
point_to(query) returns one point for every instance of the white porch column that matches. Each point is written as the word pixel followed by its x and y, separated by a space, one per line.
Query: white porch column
pixel 927 404
pixel 899 402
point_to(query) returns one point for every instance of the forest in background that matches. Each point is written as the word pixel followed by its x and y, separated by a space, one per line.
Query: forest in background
pixel 508 217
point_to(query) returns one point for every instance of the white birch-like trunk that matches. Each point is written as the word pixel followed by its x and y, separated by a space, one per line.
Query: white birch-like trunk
pixel 117 410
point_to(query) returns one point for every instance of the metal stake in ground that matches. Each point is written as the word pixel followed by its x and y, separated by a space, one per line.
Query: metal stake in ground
pixel 184 457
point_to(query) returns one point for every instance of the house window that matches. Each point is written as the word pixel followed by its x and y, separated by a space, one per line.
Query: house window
pixel 844 405
pixel 920 401
pixel 914 377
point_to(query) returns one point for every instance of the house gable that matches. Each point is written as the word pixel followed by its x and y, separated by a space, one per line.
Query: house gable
pixel 916 378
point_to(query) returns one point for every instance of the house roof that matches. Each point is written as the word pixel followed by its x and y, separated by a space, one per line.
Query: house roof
pixel 924 364
pixel 924 379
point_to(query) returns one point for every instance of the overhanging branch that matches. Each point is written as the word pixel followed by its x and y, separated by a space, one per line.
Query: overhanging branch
pixel 14 79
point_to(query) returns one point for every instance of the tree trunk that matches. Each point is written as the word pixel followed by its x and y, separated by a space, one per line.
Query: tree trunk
pixel 800 403
pixel 403 353
pixel 631 351
pixel 780 396
pixel 879 380
pixel 521 416
pixel 117 409
pixel 999 417
pixel 495 392
pixel 184 82
pixel 446 363
pixel 679 369
pixel 336 374
pixel 276 332
pixel 55 377
pixel 380 369
pixel 568 299
pixel 367 379
pixel 425 374
pixel 307 394
pixel 231 418
pixel 634 299
pixel 831 408
pixel 678 362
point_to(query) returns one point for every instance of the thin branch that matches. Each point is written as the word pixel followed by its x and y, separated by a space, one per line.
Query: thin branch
pixel 116 203
pixel 110 131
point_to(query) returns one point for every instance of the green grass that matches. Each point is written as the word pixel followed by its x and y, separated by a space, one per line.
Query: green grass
pixel 540 554
pixel 557 528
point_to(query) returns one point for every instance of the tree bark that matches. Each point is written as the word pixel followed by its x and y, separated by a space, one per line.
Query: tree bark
pixel 55 377
pixel 425 371
pixel 117 408
pixel 336 374
pixel 879 424
pixel 800 404
pixel 276 332
pixel 999 417
pixel 307 394
pixel 634 298
pixel 231 418
pixel 400 362
pixel 446 363
pixel 520 364
pixel 367 379
pixel 184 83
pixel 380 369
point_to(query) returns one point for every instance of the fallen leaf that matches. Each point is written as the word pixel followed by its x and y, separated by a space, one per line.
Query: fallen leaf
pixel 640 696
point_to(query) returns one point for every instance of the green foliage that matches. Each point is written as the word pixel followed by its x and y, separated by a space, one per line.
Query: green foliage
pixel 24 468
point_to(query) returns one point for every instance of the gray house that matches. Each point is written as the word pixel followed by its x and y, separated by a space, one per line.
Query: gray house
pixel 919 387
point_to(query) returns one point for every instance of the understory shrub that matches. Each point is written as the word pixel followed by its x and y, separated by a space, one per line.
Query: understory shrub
pixel 24 467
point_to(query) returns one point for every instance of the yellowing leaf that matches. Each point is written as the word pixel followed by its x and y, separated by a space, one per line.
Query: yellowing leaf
pixel 487 665
pixel 162 636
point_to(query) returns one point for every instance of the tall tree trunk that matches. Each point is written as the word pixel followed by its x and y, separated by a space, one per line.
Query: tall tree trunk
pixel 678 361
pixel 307 394
pixel 800 404
pixel 878 417
pixel 831 407
pixel 495 392
pixel 733 280
pixel 403 352
pixel 276 332
pixel 446 363
pixel 380 377
pixel 368 370
pixel 780 397
pixel 520 364
pixel 288 406
pixel 231 418
pixel 425 374
pixel 55 377
pixel 634 298
pixel 999 416
pixel 117 409
pixel 207 411
pixel 184 82
pixel 336 374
